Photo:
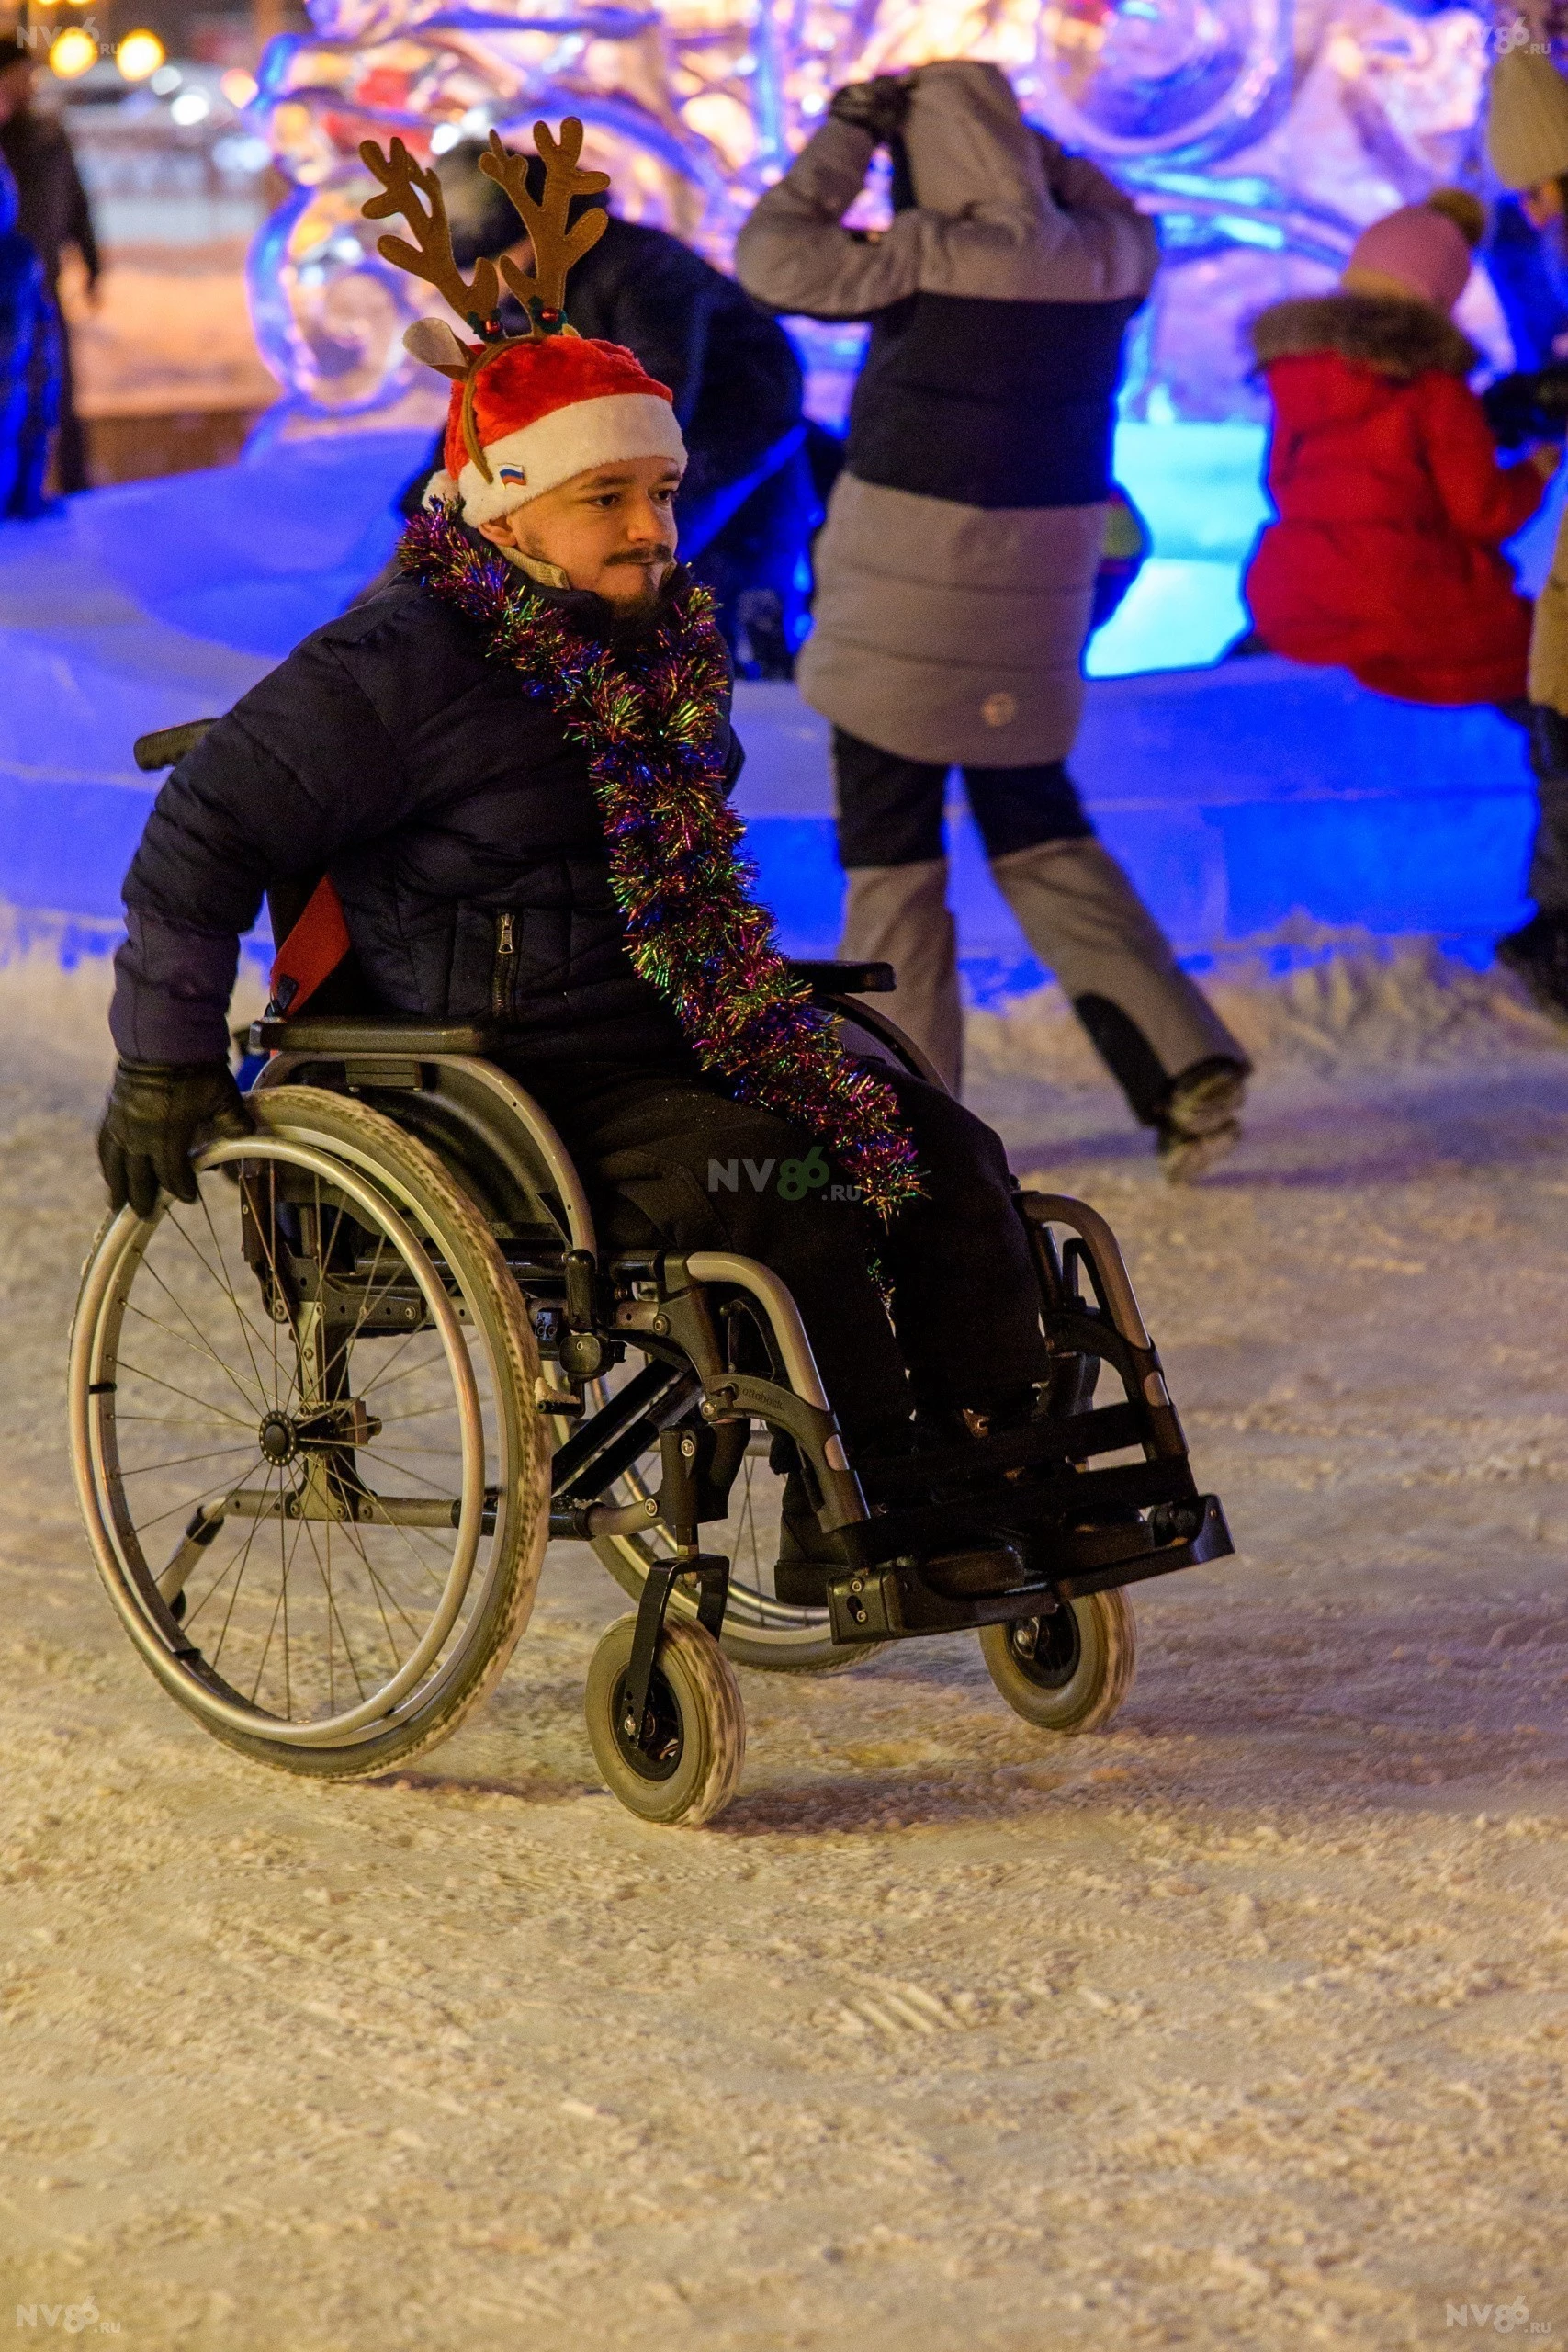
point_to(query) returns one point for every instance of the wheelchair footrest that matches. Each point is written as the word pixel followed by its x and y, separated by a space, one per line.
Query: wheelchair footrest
pixel 896 1601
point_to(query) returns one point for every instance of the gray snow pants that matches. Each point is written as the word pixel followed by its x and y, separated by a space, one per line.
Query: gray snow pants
pixel 1074 905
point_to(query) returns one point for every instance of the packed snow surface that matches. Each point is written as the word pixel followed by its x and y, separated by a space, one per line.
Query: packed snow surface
pixel 1243 2023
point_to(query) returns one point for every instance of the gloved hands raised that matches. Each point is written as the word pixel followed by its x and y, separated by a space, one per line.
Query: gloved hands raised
pixel 878 106
pixel 158 1112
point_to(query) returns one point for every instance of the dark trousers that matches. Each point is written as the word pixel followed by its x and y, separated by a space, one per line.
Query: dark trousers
pixel 1548 877
pixel 890 809
pixel 670 1163
pixel 70 437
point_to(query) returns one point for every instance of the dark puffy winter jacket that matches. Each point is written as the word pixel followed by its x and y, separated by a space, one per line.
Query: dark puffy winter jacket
pixel 730 368
pixel 54 209
pixel 457 823
pixel 30 365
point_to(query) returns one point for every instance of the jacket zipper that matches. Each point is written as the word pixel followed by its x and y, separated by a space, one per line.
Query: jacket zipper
pixel 501 972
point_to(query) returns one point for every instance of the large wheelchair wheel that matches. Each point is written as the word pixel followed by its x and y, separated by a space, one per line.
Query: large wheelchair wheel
pixel 759 1629
pixel 1068 1673
pixel 305 1444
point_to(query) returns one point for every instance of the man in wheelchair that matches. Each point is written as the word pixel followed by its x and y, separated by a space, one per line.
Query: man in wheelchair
pixel 494 796
pixel 513 766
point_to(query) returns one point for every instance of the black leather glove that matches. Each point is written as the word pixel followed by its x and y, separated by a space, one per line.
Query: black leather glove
pixel 158 1112
pixel 880 106
pixel 1530 406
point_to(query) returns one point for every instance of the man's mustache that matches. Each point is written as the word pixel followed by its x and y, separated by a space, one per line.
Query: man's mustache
pixel 643 558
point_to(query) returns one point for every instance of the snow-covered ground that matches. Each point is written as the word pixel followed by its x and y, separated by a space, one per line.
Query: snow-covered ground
pixel 1243 2023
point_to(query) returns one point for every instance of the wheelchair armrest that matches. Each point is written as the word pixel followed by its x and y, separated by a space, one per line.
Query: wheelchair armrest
pixel 846 979
pixel 170 744
pixel 363 1034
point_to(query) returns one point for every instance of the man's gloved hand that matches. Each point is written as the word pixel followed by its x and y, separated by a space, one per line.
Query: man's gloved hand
pixel 157 1112
pixel 878 106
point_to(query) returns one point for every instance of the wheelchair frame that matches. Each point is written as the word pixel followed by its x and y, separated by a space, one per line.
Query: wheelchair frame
pixel 1068 1529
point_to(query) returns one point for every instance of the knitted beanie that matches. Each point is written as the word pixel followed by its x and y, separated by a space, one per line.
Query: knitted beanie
pixel 1416 251
pixel 543 412
pixel 1527 119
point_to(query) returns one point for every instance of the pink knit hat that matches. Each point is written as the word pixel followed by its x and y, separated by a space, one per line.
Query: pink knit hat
pixel 1416 251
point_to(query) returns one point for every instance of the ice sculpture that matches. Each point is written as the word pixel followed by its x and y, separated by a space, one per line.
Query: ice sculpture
pixel 1264 137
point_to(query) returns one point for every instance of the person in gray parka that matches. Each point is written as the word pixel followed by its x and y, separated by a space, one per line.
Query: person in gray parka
pixel 956 569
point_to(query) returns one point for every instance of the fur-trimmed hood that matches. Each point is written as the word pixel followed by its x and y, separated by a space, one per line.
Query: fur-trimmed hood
pixel 1378 331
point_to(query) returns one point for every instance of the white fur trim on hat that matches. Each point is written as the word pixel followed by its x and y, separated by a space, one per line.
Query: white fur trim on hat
pixel 540 456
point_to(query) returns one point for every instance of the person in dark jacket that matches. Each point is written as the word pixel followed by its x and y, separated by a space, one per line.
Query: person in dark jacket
pixel 501 853
pixel 956 570
pixel 747 504
pixel 30 365
pixel 55 214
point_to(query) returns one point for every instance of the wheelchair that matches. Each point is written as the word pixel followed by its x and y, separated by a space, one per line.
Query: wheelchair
pixel 325 1422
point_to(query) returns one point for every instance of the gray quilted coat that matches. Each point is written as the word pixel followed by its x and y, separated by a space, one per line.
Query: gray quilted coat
pixel 957 567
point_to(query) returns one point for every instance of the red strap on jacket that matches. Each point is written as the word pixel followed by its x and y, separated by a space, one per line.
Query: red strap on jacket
pixel 310 953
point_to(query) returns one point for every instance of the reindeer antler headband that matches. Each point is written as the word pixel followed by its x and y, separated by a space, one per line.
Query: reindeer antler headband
pixel 415 192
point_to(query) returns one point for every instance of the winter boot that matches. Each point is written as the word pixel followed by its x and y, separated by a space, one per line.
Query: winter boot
pixel 808 1560
pixel 1154 1029
pixel 995 1562
pixel 1538 955
pixel 1199 1121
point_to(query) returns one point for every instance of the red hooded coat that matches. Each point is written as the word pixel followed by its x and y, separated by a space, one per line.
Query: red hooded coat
pixel 1392 506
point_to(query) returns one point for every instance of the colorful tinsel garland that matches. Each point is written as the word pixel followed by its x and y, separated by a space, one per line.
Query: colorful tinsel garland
pixel 649 718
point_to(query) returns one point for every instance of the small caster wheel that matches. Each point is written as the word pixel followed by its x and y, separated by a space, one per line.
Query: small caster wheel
pixel 1068 1673
pixel 690 1767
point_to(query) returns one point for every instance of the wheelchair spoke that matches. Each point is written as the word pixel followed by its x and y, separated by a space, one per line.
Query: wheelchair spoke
pixel 145 1469
pixel 198 1347
pixel 187 1392
pixel 284 1562
pixel 247 1330
pixel 421 1413
pixel 187 1503
pixel 264 1229
pixel 239 1579
pixel 195 1608
pixel 335 1616
pixel 205 1402
pixel 220 1284
pixel 379 1380
pixel 171 1420
pixel 371 1298
pixel 423 1565
pixel 376 1586
pixel 437 1486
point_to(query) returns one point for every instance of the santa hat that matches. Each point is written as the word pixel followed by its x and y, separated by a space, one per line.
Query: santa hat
pixel 527 411
pixel 543 412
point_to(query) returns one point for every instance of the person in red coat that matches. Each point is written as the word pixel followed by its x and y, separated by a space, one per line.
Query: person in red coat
pixel 1393 507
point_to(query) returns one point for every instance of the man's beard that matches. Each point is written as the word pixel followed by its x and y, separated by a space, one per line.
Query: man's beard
pixel 653 571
